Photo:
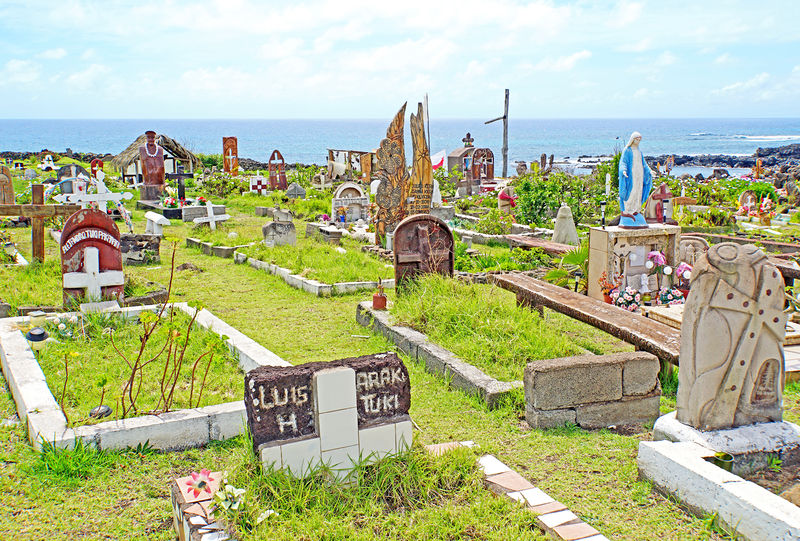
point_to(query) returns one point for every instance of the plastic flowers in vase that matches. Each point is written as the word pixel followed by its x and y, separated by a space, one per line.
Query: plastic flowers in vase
pixel 170 203
pixel 629 299
pixel 683 273
pixel 607 287
pixel 765 211
pixel 657 263
pixel 201 200
pixel 670 296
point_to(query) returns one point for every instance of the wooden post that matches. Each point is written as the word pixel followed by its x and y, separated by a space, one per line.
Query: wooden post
pixel 504 118
pixel 37 224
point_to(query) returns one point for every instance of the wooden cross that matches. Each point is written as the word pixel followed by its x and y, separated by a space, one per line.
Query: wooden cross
pixel 92 279
pixel 37 211
pixel 212 218
pixel 230 157
pixel 663 196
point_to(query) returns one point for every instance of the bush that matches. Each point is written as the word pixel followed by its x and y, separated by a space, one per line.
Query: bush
pixel 211 160
pixel 495 222
pixel 223 185
pixel 540 196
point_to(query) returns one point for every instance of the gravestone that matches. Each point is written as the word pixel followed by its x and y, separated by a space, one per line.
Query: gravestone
pixel 295 191
pixel 211 217
pixel 320 181
pixel 335 413
pixel 658 208
pixel 230 155
pixel 100 199
pixel 506 200
pixel 96 166
pixel 422 244
pixel 181 189
pixel 47 163
pixel 277 171
pixel 279 234
pixel 350 202
pixel 155 223
pixel 91 260
pixel 732 362
pixel 259 184
pixel 6 186
pixel 690 249
pixel 30 174
pixel 749 199
pixel 564 231
pixel 329 234
pixel 151 156
pixel 67 172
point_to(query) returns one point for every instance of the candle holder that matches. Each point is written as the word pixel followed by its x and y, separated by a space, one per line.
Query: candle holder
pixel 36 338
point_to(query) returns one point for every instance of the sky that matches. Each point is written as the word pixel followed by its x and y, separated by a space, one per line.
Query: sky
pixel 362 59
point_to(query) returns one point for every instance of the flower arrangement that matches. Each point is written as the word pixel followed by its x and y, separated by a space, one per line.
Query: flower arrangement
pixel 684 273
pixel 170 203
pixel 670 296
pixel 201 200
pixel 630 299
pixel 606 286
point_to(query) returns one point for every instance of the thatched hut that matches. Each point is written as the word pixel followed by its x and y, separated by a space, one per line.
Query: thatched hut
pixel 177 159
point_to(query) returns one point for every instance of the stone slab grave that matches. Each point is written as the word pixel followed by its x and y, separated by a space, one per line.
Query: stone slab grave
pixel 729 403
pixel 140 249
pixel 37 211
pixel 279 234
pixel 610 249
pixel 329 414
pixel 422 244
pixel 39 411
pixel 295 191
pixel 329 234
pixel 211 217
pixel 91 259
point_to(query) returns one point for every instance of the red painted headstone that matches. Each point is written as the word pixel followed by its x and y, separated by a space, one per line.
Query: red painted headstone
pixel 230 155
pixel 96 165
pixel 91 260
pixel 277 171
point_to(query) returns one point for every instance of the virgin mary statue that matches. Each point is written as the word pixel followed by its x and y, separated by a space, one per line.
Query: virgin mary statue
pixel 635 183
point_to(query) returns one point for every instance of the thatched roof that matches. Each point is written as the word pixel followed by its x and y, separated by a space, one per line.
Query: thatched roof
pixel 131 154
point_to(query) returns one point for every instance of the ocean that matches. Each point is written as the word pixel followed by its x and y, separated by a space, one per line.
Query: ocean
pixel 306 141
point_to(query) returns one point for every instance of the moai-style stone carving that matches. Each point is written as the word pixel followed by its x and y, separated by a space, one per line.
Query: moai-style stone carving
pixel 6 186
pixel 91 258
pixel 732 364
pixel 151 155
pixel 422 244
pixel 690 249
pixel 230 155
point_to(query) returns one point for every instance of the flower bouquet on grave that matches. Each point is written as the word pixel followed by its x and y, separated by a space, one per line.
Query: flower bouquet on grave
pixel 670 296
pixel 201 200
pixel 683 273
pixel 607 287
pixel 766 211
pixel 629 299
pixel 657 263
pixel 170 203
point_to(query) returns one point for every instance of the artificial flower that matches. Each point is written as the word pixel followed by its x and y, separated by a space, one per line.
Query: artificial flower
pixel 200 482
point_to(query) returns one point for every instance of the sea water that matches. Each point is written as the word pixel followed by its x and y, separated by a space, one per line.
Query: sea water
pixel 306 141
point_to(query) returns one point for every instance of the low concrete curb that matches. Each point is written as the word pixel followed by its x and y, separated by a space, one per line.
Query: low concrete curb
pixel 460 375
pixel 180 429
pixel 681 471
pixel 216 251
pixel 552 516
pixel 314 287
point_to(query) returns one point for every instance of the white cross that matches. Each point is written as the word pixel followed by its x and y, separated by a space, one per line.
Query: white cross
pixel 91 279
pixel 102 197
pixel 212 218
pixel 230 158
pixel 258 184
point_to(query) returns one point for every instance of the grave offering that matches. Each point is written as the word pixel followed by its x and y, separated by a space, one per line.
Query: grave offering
pixel 506 199
pixel 564 231
pixel 279 234
pixel 91 260
pixel 211 217
pixel 6 187
pixel 732 364
pixel 259 184
pixel 295 191
pixel 622 254
pixel 277 171
pixel 230 155
pixel 350 203
pixel 334 413
pixel 151 155
pixel 422 244
pixel 635 183
pixel 37 211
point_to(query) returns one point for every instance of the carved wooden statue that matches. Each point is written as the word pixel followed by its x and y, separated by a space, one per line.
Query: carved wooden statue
pixel 420 189
pixel 732 365
pixel 152 158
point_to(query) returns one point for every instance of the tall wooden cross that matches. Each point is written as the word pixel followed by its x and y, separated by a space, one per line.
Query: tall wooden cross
pixel 37 211
pixel 504 118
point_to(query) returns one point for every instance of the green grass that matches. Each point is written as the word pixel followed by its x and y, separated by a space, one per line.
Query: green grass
pixel 323 262
pixel 409 496
pixel 95 373
pixel 483 325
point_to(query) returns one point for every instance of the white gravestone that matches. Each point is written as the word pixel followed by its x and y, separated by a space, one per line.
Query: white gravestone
pixel 212 218
pixel 92 280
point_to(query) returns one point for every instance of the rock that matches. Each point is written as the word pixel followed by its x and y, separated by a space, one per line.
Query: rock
pixel 100 411
pixel 784 168
pixel 188 266
pixel 699 176
pixel 30 174
pixel 792 494
pixel 564 231
pixel 233 235
pixel 720 173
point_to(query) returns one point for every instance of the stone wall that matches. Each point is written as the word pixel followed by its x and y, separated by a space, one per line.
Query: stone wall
pixel 592 391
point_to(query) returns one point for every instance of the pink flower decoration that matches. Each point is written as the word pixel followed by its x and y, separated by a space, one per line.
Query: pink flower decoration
pixel 200 482
pixel 657 257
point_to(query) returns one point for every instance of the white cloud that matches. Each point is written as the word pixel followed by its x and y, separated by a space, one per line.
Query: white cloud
pixel 625 14
pixel 640 46
pixel 20 72
pixel 52 54
pixel 89 78
pixel 723 59
pixel 665 59
pixel 754 82
pixel 562 63
pixel 278 48
pixel 88 54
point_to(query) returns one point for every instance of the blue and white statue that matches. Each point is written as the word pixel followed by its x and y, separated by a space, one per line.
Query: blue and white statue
pixel 635 183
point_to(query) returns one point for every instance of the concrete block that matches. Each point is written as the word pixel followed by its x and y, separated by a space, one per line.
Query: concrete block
pixel 639 373
pixel 558 383
pixel 403 435
pixel 334 389
pixel 300 457
pixel 628 411
pixel 50 425
pixel 491 465
pixel 270 456
pixel 341 461
pixel 377 442
pixel 170 431
pixel 338 428
pixel 549 418
pixel 226 421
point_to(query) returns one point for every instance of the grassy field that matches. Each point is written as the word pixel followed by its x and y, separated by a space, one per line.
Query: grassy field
pixel 83 494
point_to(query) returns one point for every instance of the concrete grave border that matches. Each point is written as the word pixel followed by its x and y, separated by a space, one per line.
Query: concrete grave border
pixel 681 470
pixel 179 429
pixel 215 251
pixel 460 374
pixel 315 287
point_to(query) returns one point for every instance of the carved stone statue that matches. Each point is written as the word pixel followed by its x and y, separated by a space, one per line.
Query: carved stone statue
pixel 732 365
pixel 635 183
pixel 152 158
pixel 690 249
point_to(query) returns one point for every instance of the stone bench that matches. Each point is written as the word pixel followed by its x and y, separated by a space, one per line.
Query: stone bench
pixel 155 223
pixel 647 335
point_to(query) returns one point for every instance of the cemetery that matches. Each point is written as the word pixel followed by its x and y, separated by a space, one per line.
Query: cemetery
pixel 202 349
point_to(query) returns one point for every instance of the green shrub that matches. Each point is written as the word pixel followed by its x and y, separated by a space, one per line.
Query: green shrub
pixel 540 196
pixel 495 222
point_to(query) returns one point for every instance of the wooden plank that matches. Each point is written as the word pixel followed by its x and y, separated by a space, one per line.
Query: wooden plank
pixel 38 211
pixel 661 340
pixel 548 246
pixel 789 269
